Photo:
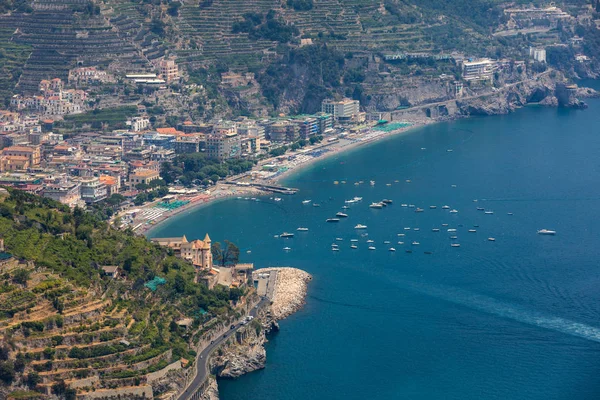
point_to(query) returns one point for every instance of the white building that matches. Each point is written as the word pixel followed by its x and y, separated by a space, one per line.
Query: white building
pixel 343 110
pixel 538 54
pixel 479 70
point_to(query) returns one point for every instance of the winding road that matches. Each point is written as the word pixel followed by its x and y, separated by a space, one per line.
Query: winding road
pixel 202 358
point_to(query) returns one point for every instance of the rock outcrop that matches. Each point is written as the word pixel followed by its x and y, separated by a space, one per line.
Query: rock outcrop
pixel 243 353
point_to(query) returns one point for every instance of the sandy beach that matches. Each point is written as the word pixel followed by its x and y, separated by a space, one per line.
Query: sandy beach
pixel 289 164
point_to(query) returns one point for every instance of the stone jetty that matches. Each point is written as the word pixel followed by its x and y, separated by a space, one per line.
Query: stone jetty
pixel 290 291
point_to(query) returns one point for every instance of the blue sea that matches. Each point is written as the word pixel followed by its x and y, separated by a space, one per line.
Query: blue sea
pixel 517 318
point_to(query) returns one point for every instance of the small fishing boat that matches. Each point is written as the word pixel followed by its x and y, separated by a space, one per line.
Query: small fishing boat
pixel 427 252
pixel 453 237
pixel 455 244
pixel 491 239
pixel 415 243
pixel 480 209
pixel 387 201
pixel 401 234
pixel 386 242
pixel 353 246
pixel 451 230
pixel 392 249
pixel 488 212
pixel 433 207
pixel 301 229
pixel 453 211
pixel 286 235
pixel 339 239
pixel 404 205
pixel 376 205
pixel 416 229
pixel 316 205
pixel 341 215
pixel 371 247
pixel 360 226
pixel 419 210
pixel 354 240
pixel 287 248
pixel 401 243
pixel 306 201
pixel 472 230
pixel 435 230
pixel 370 241
pixel 546 232
pixel 446 207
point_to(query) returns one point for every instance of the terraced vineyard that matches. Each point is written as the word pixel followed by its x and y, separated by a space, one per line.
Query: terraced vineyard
pixel 66 327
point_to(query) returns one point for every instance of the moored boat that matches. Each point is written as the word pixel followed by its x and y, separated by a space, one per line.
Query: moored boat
pixel 360 226
pixel 546 232
pixel 332 220
pixel 286 235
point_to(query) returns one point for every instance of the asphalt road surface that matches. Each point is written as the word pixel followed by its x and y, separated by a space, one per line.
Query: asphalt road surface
pixel 202 359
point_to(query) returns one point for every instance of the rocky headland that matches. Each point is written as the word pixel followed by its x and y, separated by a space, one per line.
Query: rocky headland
pixel 246 352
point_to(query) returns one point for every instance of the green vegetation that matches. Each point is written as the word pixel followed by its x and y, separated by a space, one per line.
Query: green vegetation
pixel 197 168
pixel 227 255
pixel 269 27
pixel 12 59
pixel 106 118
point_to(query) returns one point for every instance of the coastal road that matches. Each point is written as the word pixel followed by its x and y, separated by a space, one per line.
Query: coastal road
pixel 202 358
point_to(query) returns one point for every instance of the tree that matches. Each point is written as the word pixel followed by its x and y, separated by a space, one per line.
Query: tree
pixel 33 378
pixel 229 255
pixel 21 276
pixel 7 371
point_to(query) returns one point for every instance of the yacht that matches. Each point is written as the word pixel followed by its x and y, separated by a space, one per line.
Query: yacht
pixel 546 232
pixel 350 201
pixel 433 207
pixel 248 251
pixel 354 240
pixel 388 184
pixel 453 211
pixel 416 229
pixel 306 201
pixel 335 249
pixel 370 241
pixel 401 234
pixel 287 248
pixel 446 207
pixel 404 205
pixel 417 210
pixel 286 235
pixel 392 249
pixel 341 214
pixel 444 225
pixel 472 230
pixel 387 201
pixel 455 244
pixel 371 247
pixel 376 205
pixel 332 220
pixel 400 242
pixel 492 239
pixel 316 205
pixel 357 199
pixel 339 239
pixel 301 229
pixel 451 230
pixel 509 213
pixel 353 246
pixel 488 212
pixel 435 230
pixel 360 226
pixel 415 243
pixel 345 207
pixel 407 228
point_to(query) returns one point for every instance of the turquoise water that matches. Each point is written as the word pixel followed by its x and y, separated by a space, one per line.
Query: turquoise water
pixel 517 318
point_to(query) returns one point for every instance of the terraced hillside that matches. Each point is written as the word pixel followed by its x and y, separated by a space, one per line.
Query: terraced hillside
pixel 69 329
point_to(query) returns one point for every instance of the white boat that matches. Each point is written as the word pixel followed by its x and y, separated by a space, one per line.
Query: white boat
pixel 341 214
pixel 415 243
pixel 404 205
pixel 480 209
pixel 433 207
pixel 275 236
pixel 349 201
pixel 444 224
pixel 277 199
pixel 392 249
pixel 509 213
pixel 357 199
pixel 360 226
pixel 306 201
pixel 435 230
pixel 416 229
pixel 446 207
pixel 316 205
pixel 287 248
pixel 301 229
pixel 400 242
pixel 449 150
pixel 453 211
pixel 371 247
pixel 401 234
pixel 345 207
pixel 335 249
pixel 386 242
pixel 492 239
pixel 388 184
pixel 372 183
pixel 546 232
pixel 407 228
pixel 332 220
pixel 370 241
pixel 387 201
pixel 248 251
pixel 286 235
pixel 451 230
pixel 354 240
pixel 488 212
pixel 455 244
pixel 354 246
pixel 453 237
pixel 339 239
pixel 411 206
pixel 376 205
pixel 418 210
pixel 334 245
pixel 472 230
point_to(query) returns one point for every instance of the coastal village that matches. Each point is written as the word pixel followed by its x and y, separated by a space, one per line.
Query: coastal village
pixel 134 134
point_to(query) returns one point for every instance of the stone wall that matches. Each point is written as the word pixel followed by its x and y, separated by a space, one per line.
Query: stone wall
pixel 130 393
pixel 153 376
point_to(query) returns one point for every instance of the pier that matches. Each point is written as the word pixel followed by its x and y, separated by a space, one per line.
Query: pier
pixel 266 188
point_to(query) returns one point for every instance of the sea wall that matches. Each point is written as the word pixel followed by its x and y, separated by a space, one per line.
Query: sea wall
pixel 244 352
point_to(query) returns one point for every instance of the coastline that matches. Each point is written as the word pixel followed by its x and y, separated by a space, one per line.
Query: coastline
pixel 235 191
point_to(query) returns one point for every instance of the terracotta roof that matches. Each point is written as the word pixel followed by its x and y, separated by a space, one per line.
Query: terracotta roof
pixel 166 130
pixel 19 148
